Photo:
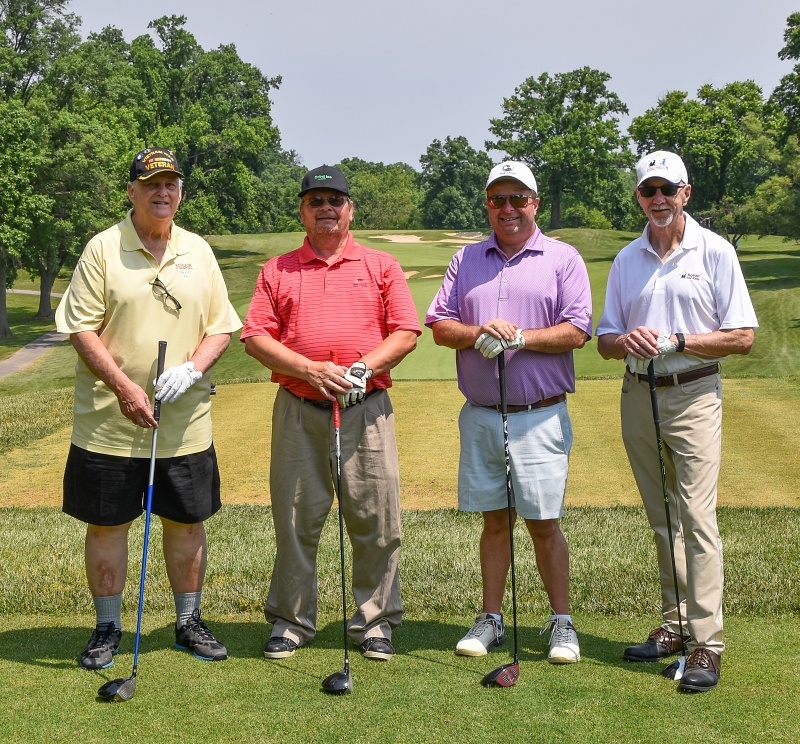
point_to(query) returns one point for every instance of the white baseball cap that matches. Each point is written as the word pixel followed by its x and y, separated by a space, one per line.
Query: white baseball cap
pixel 513 169
pixel 661 164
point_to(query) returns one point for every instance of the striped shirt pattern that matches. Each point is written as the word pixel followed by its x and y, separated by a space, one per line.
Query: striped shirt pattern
pixel 349 307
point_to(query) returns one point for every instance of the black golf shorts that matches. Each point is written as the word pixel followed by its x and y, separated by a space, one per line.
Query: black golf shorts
pixel 107 490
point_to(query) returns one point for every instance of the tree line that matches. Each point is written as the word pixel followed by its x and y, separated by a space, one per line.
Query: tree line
pixel 74 111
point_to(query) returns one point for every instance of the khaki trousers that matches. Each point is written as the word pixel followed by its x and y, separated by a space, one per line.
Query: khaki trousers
pixel 691 427
pixel 301 480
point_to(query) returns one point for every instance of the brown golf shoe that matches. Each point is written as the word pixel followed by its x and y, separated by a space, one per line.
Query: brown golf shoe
pixel 702 671
pixel 659 644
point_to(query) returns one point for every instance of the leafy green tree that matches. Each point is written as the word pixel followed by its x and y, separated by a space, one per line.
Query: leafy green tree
pixel 712 136
pixel 566 127
pixel 20 159
pixel 786 96
pixel 387 197
pixel 454 185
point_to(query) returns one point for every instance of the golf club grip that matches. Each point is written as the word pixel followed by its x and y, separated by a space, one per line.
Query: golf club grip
pixel 337 415
pixel 501 373
pixel 162 357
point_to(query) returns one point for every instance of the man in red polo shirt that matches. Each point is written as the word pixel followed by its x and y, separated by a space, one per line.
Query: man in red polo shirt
pixel 332 295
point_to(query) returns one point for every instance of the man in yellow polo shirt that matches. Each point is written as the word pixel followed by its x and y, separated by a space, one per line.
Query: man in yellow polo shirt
pixel 143 281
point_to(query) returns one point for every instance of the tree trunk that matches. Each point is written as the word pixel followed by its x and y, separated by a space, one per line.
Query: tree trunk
pixel 5 328
pixel 555 210
pixel 47 279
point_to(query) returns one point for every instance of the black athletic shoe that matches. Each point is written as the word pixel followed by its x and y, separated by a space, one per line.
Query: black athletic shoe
pixel 197 638
pixel 279 647
pixel 380 649
pixel 99 652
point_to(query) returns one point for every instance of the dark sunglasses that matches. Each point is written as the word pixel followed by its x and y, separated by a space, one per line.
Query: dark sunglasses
pixel 668 189
pixel 160 291
pixel 335 201
pixel 517 201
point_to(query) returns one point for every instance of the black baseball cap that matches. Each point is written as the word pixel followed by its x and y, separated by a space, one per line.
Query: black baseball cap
pixel 153 160
pixel 325 177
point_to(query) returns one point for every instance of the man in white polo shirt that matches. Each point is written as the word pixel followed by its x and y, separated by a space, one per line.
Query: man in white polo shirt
pixel 677 295
pixel 143 281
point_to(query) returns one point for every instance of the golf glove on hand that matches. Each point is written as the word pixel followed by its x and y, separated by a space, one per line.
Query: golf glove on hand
pixel 665 346
pixel 637 366
pixel 358 374
pixel 175 381
pixel 490 346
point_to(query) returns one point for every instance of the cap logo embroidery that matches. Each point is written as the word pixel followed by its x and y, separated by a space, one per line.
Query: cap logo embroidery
pixel 508 167
pixel 323 177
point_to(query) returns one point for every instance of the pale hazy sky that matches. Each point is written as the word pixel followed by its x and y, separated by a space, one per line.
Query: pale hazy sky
pixel 381 80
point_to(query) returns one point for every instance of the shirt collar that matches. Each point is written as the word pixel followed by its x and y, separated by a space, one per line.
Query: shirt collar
pixel 352 251
pixel 132 242
pixel 534 243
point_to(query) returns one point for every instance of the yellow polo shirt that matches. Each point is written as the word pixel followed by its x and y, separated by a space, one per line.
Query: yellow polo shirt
pixel 111 292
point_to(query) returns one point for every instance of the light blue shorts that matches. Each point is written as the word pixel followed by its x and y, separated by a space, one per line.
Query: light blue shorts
pixel 539 442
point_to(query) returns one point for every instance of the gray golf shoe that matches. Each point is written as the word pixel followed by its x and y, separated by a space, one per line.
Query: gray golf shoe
pixel 103 645
pixel 197 638
pixel 485 634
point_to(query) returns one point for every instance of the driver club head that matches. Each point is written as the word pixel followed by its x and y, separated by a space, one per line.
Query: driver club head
pixel 118 690
pixel 675 670
pixel 338 683
pixel 504 676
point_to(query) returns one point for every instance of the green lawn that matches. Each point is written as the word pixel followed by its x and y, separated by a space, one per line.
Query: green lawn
pixel 426 693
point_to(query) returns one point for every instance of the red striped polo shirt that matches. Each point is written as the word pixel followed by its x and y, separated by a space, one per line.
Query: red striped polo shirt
pixel 349 307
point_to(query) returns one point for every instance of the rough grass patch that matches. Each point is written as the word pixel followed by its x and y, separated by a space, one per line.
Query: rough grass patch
pixel 30 416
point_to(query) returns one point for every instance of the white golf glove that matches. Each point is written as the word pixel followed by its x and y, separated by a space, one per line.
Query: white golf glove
pixel 175 381
pixel 636 365
pixel 665 346
pixel 490 346
pixel 358 374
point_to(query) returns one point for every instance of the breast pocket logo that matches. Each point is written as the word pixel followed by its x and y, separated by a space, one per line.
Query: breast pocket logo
pixel 184 269
pixel 359 282
pixel 687 275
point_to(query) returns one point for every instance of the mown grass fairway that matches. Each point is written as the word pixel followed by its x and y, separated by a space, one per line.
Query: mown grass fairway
pixel 426 693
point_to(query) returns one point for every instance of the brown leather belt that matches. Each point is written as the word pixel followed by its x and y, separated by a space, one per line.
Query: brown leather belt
pixel 541 404
pixel 679 379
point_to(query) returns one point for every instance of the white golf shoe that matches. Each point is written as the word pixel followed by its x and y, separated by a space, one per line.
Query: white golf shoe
pixel 486 633
pixel 564 648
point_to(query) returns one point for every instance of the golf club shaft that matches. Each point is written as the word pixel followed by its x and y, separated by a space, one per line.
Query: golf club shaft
pixel 501 370
pixel 162 353
pixel 337 423
pixel 651 378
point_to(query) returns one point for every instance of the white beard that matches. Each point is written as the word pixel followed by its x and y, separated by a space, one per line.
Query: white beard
pixel 663 221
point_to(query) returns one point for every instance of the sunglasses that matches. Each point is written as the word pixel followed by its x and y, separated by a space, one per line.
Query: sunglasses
pixel 668 189
pixel 517 201
pixel 335 201
pixel 160 291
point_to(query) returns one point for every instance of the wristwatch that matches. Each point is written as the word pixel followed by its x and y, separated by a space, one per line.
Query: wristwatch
pixel 681 341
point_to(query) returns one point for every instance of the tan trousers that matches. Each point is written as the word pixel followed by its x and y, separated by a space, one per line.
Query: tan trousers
pixel 301 480
pixel 691 427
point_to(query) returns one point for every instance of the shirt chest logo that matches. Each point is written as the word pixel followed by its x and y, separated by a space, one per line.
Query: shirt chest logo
pixel 359 282
pixel 184 269
pixel 687 275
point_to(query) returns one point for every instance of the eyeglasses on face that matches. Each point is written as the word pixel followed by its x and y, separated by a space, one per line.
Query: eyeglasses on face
pixel 517 201
pixel 336 201
pixel 160 291
pixel 667 189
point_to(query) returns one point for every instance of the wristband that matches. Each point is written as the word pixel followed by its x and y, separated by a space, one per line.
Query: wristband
pixel 681 342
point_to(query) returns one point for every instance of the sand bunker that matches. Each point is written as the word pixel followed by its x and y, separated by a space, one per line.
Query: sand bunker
pixel 402 238
pixel 409 274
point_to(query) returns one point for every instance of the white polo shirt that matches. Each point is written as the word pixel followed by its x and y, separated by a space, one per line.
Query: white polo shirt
pixel 111 293
pixel 698 289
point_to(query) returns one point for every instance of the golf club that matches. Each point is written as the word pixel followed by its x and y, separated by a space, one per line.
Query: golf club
pixel 122 689
pixel 674 670
pixel 507 674
pixel 339 683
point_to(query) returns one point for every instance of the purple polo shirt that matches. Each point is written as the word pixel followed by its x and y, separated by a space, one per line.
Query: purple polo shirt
pixel 545 284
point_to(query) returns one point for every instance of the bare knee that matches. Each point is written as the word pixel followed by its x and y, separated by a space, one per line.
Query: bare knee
pixel 543 529
pixel 101 534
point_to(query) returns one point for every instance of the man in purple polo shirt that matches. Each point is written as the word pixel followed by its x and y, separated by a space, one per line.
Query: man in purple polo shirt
pixel 521 292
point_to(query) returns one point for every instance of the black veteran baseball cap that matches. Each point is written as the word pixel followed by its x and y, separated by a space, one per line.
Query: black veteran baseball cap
pixel 325 177
pixel 153 160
